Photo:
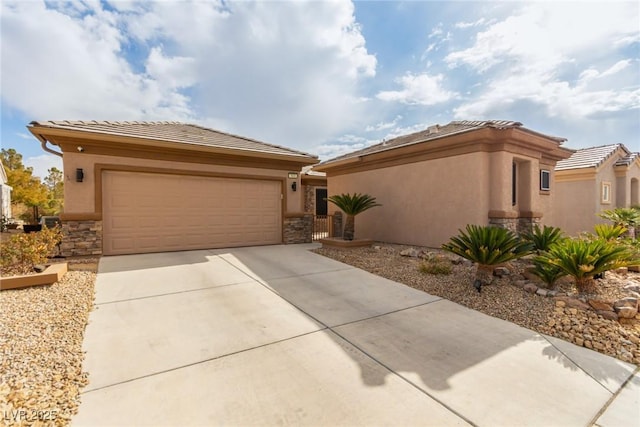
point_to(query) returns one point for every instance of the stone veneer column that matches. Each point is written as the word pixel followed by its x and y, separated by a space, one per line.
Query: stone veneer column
pixel 336 219
pixel 297 228
pixel 81 238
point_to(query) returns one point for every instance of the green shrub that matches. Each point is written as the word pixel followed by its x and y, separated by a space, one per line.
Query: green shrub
pixel 22 251
pixel 435 267
pixel 352 205
pixel 609 232
pixel 543 238
pixel 548 273
pixel 487 247
pixel 583 259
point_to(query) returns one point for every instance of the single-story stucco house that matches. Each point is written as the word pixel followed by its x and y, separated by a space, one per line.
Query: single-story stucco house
pixel 136 187
pixel 593 180
pixel 5 194
pixel 433 182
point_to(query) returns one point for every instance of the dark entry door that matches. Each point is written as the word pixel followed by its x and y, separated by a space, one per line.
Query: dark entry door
pixel 321 203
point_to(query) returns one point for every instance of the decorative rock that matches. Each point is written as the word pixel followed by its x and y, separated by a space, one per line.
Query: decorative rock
pixel 501 271
pixel 39 268
pixel 635 268
pixel 541 292
pixel 609 315
pixel 560 303
pixel 628 302
pixel 575 303
pixel 626 312
pixel 528 274
pixel 552 293
pixel 411 252
pixel 530 287
pixel 600 305
pixel 633 287
pixel 621 270
pixel 520 283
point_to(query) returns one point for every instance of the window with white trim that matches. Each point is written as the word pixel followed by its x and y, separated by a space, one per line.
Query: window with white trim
pixel 545 180
pixel 606 193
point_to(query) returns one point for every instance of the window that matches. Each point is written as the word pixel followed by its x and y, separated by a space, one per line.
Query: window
pixel 606 193
pixel 545 180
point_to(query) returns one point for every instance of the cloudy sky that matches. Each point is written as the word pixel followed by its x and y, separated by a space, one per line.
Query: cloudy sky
pixel 326 77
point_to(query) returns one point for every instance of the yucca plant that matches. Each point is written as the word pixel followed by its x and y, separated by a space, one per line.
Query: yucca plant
pixel 352 205
pixel 487 247
pixel 583 259
pixel 543 238
pixel 609 232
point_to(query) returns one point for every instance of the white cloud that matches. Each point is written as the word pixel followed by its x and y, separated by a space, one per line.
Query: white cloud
pixel 421 89
pixel 244 65
pixel 42 163
pixel 469 24
pixel 548 56
pixel 383 125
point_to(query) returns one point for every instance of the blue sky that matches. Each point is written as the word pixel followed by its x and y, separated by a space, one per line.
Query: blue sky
pixel 323 77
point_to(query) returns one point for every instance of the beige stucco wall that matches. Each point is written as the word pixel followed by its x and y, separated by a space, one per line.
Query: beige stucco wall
pixel 424 203
pixel 80 196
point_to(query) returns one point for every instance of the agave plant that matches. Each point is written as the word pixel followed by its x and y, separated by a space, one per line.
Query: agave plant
pixel 352 205
pixel 583 259
pixel 487 247
pixel 543 238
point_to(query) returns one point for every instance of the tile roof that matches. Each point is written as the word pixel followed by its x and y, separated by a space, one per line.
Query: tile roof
pixel 436 132
pixel 590 157
pixel 628 159
pixel 183 133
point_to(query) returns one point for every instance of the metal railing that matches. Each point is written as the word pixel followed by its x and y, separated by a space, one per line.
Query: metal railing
pixel 322 227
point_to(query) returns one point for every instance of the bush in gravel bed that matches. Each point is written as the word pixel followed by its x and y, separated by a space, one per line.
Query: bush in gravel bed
pixel 23 251
pixel 435 267
pixel 487 247
pixel 585 258
pixel 543 238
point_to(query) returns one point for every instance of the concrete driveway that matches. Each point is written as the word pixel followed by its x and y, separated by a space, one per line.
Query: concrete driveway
pixel 278 335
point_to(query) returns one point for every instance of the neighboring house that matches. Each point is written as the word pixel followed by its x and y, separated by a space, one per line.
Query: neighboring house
pixel 135 187
pixel 314 186
pixel 593 180
pixel 434 182
pixel 5 194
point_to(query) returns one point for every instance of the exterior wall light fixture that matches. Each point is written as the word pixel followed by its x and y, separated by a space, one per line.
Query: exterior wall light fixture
pixel 79 175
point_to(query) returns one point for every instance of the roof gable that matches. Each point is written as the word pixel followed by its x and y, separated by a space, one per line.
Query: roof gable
pixel 437 132
pixel 593 157
pixel 188 135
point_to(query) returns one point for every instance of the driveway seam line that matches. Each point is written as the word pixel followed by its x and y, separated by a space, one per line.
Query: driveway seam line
pixel 188 365
pixel 389 312
pixel 613 397
pixel 580 367
pixel 172 293
pixel 405 379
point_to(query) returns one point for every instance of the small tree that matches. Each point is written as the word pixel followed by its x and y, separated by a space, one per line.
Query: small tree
pixel 487 247
pixel 352 205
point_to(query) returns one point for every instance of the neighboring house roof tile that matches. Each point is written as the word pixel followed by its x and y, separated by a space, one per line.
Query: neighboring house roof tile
pixel 436 132
pixel 184 133
pixel 591 157
pixel 628 159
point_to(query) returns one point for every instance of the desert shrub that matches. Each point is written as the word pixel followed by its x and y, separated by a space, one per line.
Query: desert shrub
pixel 543 238
pixel 435 267
pixel 585 258
pixel 22 251
pixel 628 218
pixel 609 232
pixel 487 247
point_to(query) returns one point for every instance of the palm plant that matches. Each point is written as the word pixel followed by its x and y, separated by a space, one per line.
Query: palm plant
pixel 548 273
pixel 352 205
pixel 583 259
pixel 608 231
pixel 624 217
pixel 487 247
pixel 543 238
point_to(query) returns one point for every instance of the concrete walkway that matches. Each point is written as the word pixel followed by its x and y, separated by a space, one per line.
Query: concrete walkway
pixel 278 335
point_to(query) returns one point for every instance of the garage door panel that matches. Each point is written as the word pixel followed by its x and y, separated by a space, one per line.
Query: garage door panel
pixel 155 212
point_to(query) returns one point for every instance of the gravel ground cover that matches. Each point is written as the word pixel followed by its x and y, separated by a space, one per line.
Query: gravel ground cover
pixel 41 333
pixel 504 300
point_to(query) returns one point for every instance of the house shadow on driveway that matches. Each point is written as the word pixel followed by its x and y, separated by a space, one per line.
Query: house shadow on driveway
pixel 487 370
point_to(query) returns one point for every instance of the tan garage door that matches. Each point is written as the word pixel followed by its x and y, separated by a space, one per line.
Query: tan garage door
pixel 144 212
